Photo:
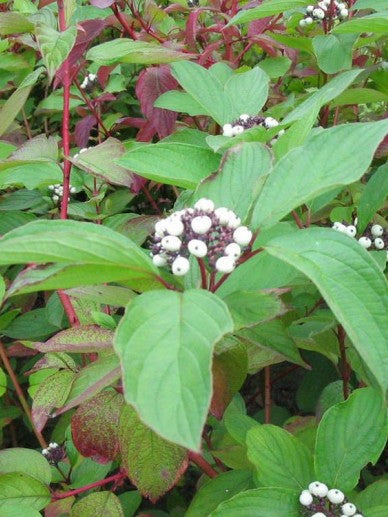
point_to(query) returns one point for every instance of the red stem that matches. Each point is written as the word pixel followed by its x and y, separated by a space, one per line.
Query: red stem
pixel 297 220
pixel 123 22
pixel 151 199
pixel 91 107
pixel 70 493
pixel 166 284
pixel 203 273
pixel 69 309
pixel 203 464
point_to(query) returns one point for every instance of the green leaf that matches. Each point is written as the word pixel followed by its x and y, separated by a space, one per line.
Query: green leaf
pixel 153 464
pixel 238 182
pixel 176 331
pixel 125 50
pixel 100 162
pixel 377 5
pixel 241 93
pixel 359 96
pixel 215 491
pixel 338 460
pixel 17 488
pixel 375 494
pixel 275 67
pixel 32 325
pixel 334 53
pixel 376 22
pixel 2 288
pixel 3 382
pixel 11 23
pixel 101 503
pixel 16 101
pixel 294 181
pixel 73 242
pixel 51 394
pixel 268 8
pixel 54 46
pixel 6 149
pixel 280 459
pixel 82 339
pixel 27 461
pixel 373 197
pixel 184 165
pixel 327 93
pixel 182 102
pixel 352 285
pixel 377 511
pixel 19 510
pixel 94 426
pixel 248 308
pixel 261 502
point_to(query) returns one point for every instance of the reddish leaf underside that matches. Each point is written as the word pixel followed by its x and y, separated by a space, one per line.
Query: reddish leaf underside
pixel 153 464
pixel 84 339
pixel 95 426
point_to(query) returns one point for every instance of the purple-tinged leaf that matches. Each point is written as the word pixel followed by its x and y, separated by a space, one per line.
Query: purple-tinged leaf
pixel 152 82
pixel 102 4
pixel 153 464
pixel 95 426
pixel 83 129
pixel 57 360
pixel 84 339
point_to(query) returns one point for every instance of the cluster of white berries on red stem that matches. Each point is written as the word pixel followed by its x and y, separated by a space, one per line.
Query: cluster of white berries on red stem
pixel 89 81
pixel 246 121
pixel 373 236
pixel 208 233
pixel 57 190
pixel 319 501
pixel 324 10
pixel 54 453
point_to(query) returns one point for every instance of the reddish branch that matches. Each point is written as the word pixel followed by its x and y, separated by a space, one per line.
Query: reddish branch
pixel 20 394
pixel 203 464
pixel 203 273
pixel 63 495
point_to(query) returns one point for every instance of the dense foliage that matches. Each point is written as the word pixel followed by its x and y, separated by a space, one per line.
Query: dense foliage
pixel 193 306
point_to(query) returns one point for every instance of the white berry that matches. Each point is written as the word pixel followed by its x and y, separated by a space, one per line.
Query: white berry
pixel 223 214
pixel 379 243
pixel 227 130
pixel 204 204
pixel 180 266
pixel 197 248
pixel 322 5
pixel 365 242
pixel 160 228
pixel 225 264
pixel 244 117
pixel 344 13
pixel 348 509
pixel 233 250
pixel 237 130
pixel 242 236
pixel 335 496
pixel 318 514
pixel 377 230
pixel 51 187
pixel 357 515
pixel 351 230
pixel 201 224
pixel 175 227
pixel 171 243
pixel 319 13
pixel 55 198
pixel 308 20
pixel 270 122
pixel 315 488
pixel 309 8
pixel 305 498
pixel 302 22
pixel 234 221
pixel 73 190
pixel 159 260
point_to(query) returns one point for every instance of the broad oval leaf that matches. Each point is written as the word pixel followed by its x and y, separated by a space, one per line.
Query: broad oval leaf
pixel 27 461
pixel 17 488
pixel 338 459
pixel 321 164
pixel 101 503
pixel 153 464
pixel 83 339
pixel 352 285
pixel 376 22
pixel 279 457
pixel 54 46
pixel 334 53
pixel 165 342
pixel 261 502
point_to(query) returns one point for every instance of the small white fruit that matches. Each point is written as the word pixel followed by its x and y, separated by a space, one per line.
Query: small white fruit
pixel 344 13
pixel 234 221
pixel 379 243
pixel 358 515
pixel 314 487
pixel 244 117
pixel 351 230
pixel 308 20
pixel 242 236
pixel 73 190
pixel 171 243
pixel 348 509
pixel 310 8
pixel 55 198
pixel 305 498
pixel 227 130
pixel 201 224
pixel 197 248
pixel 180 266
pixel 323 5
pixel 223 214
pixel 237 130
pixel 335 496
pixel 225 264
pixel 159 260
pixel 365 242
pixel 322 490
pixel 270 122
pixel 319 13
pixel 175 227
pixel 160 228
pixel 377 230
pixel 204 204
pixel 51 187
pixel 318 514
pixel 233 250
pixel 302 22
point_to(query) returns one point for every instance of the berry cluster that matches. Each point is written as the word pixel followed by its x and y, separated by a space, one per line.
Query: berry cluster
pixel 324 10
pixel 247 122
pixel 58 191
pixel 204 232
pixel 319 501
pixel 88 82
pixel 373 236
pixel 54 453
